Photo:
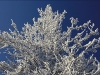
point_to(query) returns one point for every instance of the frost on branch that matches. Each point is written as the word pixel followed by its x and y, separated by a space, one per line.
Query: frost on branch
pixel 42 49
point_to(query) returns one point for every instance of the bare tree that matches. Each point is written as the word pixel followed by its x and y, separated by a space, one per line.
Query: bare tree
pixel 42 49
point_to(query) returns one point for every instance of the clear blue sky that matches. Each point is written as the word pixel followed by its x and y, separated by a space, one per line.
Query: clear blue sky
pixel 23 11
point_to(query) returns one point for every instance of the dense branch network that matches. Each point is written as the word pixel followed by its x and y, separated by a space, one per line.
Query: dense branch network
pixel 42 49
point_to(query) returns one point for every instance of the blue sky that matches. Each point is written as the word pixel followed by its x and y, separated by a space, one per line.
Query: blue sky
pixel 23 11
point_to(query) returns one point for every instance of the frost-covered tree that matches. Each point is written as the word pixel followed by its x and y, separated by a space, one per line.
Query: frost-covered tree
pixel 43 49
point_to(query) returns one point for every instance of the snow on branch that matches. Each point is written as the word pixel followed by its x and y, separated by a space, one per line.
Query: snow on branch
pixel 42 49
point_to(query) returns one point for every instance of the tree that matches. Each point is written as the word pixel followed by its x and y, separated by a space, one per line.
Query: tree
pixel 42 49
